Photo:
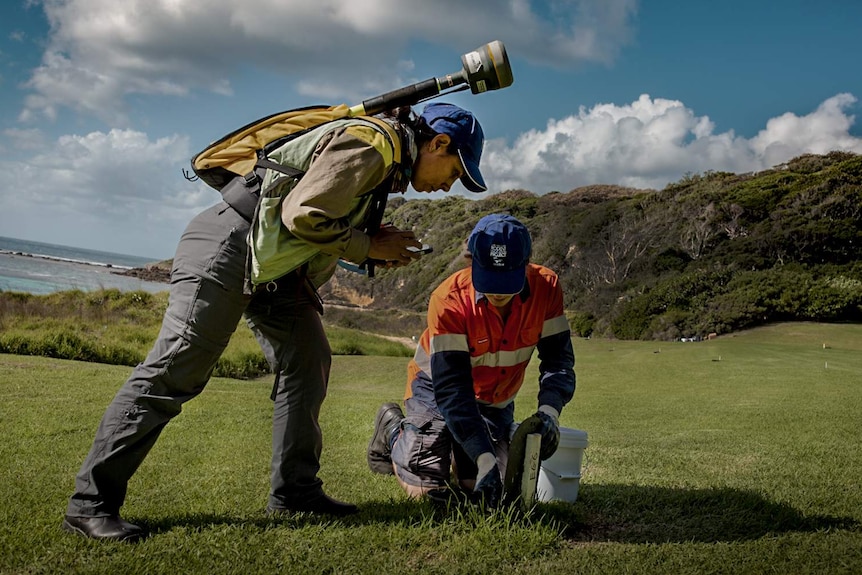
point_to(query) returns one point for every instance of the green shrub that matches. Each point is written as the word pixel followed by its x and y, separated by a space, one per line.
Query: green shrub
pixel 673 325
pixel 834 298
pixel 113 327
pixel 582 324
pixel 352 342
pixel 241 364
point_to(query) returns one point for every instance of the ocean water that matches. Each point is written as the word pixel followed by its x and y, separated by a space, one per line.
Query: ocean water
pixel 41 268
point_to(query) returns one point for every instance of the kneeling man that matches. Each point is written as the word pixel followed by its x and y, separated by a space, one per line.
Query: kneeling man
pixel 483 324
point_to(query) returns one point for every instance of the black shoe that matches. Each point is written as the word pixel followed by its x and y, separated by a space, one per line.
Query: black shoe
pixel 322 504
pixel 111 527
pixel 388 420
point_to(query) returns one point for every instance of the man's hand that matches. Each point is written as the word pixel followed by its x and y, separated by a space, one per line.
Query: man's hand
pixel 489 482
pixel 389 246
pixel 550 430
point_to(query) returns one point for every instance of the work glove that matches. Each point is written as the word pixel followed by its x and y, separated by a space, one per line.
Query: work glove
pixel 489 481
pixel 550 430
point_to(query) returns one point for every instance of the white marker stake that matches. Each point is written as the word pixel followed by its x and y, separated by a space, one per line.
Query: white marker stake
pixel 530 477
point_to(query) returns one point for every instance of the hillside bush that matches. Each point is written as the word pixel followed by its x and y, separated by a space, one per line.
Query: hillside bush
pixel 712 252
pixel 581 324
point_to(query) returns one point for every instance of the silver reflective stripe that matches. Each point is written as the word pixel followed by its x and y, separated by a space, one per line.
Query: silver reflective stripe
pixel 422 360
pixel 503 358
pixel 449 342
pixel 555 325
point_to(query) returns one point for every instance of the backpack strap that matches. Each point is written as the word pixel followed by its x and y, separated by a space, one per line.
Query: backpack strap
pixel 243 194
pixel 265 162
pixel 374 218
pixel 393 134
pixel 396 182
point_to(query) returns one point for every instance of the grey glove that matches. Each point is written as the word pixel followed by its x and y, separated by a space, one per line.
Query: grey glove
pixel 489 482
pixel 550 431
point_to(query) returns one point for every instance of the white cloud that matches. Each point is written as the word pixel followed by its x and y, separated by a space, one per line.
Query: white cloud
pixel 825 129
pixel 31 139
pixel 101 51
pixel 127 188
pixel 652 142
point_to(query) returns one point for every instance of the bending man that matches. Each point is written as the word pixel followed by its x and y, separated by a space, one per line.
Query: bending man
pixel 308 226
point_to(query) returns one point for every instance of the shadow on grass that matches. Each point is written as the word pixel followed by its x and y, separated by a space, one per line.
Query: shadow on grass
pixel 404 512
pixel 602 513
pixel 646 514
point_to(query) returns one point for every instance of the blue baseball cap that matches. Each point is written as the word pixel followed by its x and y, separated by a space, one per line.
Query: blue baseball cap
pixel 500 246
pixel 467 136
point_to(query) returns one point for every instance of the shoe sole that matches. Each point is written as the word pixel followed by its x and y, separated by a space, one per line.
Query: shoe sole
pixel 380 463
pixel 72 529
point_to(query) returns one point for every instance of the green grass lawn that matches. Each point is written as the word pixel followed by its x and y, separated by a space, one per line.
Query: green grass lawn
pixel 737 455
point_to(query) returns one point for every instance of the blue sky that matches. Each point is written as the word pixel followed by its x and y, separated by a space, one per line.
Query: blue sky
pixel 104 102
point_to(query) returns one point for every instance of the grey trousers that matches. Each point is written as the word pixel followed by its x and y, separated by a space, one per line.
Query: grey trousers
pixel 206 303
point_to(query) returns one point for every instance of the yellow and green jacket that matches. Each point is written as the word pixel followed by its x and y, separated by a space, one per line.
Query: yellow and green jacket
pixel 317 220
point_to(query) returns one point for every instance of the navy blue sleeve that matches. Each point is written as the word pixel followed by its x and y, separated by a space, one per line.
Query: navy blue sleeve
pixel 556 370
pixel 452 377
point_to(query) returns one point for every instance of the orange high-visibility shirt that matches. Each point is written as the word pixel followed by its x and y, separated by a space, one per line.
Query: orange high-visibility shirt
pixel 467 345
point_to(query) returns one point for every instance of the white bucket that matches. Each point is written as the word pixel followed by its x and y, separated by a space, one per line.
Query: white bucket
pixel 560 475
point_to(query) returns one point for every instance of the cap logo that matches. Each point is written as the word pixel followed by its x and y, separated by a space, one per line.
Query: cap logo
pixel 498 255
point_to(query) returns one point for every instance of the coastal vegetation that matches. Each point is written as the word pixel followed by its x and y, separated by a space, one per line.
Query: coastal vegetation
pixel 712 253
pixel 109 326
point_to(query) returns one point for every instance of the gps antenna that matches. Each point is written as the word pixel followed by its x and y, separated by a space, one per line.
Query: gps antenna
pixel 484 69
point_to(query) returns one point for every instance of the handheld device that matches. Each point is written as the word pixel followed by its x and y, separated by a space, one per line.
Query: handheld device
pixel 425 249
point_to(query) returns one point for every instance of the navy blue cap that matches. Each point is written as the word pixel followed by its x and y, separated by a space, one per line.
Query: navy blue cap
pixel 500 246
pixel 467 136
